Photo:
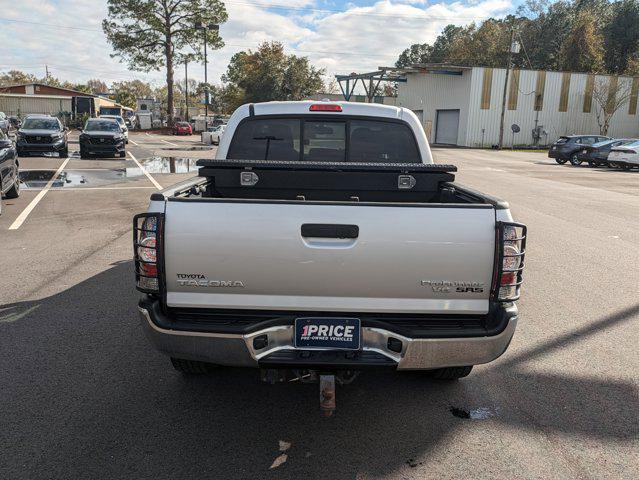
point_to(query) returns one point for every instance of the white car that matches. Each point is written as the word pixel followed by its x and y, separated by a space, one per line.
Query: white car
pixel 122 124
pixel 625 156
pixel 216 134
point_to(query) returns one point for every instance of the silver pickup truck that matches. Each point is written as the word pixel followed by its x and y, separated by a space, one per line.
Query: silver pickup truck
pixel 321 241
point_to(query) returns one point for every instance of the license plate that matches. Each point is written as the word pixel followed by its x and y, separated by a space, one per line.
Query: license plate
pixel 554 148
pixel 328 333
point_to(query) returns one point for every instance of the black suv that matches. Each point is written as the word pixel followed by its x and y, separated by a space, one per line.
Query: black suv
pixel 42 133
pixel 569 147
pixel 9 179
pixel 102 136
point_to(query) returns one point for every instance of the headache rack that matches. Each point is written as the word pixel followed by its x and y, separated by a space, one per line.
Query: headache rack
pixel 339 181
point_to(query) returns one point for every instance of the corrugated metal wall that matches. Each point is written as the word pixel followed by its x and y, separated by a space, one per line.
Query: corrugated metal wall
pixel 428 92
pixel 24 105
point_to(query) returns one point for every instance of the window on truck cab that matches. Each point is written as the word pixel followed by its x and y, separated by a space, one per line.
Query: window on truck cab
pixel 324 139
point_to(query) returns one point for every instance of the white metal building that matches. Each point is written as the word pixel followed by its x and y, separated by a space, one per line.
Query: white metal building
pixel 462 105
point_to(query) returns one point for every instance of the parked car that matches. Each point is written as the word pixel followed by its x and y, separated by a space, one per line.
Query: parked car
pixel 596 155
pixel 42 133
pixel 102 136
pixel 182 128
pixel 15 122
pixel 321 267
pixel 216 134
pixel 625 156
pixel 9 165
pixel 568 147
pixel 4 122
pixel 122 123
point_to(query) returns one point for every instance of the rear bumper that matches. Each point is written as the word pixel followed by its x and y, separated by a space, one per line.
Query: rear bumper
pixel 239 350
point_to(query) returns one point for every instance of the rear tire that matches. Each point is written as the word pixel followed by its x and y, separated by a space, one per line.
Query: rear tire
pixel 122 154
pixel 451 373
pixel 64 153
pixel 14 191
pixel 191 367
pixel 560 161
pixel 83 154
pixel 574 160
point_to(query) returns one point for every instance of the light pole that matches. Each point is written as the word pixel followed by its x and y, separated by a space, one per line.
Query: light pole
pixel 206 27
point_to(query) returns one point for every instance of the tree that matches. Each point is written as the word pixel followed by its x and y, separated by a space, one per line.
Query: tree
pixel 127 92
pixel 269 74
pixel 582 50
pixel 95 85
pixel 147 34
pixel 16 77
pixel 622 35
pixel 608 96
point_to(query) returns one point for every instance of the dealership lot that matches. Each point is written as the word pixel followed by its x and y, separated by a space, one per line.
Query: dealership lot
pixel 86 397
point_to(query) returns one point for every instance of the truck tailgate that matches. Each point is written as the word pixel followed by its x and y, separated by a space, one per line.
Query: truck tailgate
pixel 255 255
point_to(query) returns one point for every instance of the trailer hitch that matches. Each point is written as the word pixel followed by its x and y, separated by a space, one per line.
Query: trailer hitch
pixel 327 394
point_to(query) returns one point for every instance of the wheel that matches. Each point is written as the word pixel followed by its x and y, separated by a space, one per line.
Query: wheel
pixel 574 160
pixel 612 165
pixel 451 373
pixel 65 152
pixel 593 164
pixel 190 367
pixel 560 161
pixel 14 191
pixel 625 166
pixel 122 154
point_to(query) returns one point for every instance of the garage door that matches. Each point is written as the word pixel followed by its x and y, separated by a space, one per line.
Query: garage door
pixel 447 126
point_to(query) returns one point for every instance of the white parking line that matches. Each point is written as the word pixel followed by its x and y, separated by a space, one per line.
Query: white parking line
pixel 148 175
pixel 173 144
pixel 25 213
pixel 134 143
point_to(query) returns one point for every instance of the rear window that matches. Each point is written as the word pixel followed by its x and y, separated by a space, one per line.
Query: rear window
pixel 324 140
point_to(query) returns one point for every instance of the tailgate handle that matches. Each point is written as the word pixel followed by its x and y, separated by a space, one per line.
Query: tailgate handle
pixel 328 230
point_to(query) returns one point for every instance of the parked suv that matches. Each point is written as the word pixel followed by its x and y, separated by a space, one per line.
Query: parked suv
pixel 43 133
pixel 568 147
pixel 102 136
pixel 122 123
pixel 9 180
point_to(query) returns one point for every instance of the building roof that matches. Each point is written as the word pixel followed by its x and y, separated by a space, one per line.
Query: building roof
pixel 37 84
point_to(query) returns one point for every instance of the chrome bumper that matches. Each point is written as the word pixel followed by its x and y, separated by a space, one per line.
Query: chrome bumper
pixel 237 350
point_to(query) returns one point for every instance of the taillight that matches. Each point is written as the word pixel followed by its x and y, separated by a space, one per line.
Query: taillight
pixel 511 249
pixel 325 107
pixel 147 238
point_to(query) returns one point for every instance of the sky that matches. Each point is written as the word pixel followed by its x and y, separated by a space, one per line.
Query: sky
pixel 340 36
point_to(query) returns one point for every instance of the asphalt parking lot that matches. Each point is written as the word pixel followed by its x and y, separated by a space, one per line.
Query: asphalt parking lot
pixel 84 396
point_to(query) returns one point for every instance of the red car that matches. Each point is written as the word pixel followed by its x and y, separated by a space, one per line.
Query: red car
pixel 182 128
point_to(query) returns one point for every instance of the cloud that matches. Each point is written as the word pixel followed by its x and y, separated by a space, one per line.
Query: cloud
pixel 358 38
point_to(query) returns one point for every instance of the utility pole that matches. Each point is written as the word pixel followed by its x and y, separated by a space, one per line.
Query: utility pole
pixel 46 78
pixel 186 85
pixel 503 100
pixel 206 28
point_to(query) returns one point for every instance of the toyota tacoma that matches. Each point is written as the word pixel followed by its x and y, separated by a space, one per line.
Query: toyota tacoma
pixel 323 240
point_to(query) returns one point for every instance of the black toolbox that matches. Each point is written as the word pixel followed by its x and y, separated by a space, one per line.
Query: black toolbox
pixel 325 181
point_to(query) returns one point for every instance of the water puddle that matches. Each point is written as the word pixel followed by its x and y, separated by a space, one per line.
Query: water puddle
pixel 162 165
pixel 97 177
pixel 38 179
pixel 480 413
